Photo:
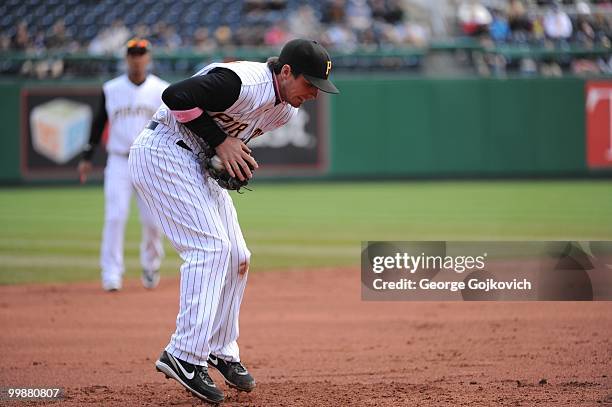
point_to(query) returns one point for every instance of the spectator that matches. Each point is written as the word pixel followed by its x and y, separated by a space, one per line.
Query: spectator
pixel 170 40
pixel 379 10
pixel 5 43
pixel 474 18
pixel 303 23
pixel 367 39
pixel 395 12
pixel 120 34
pixel 412 33
pixel 528 67
pixel 584 34
pixel 389 11
pixel 224 36
pixel 537 30
pixel 110 39
pixel 97 46
pixel 58 40
pixel 499 30
pixel 358 15
pixel 584 66
pixel 276 35
pixel 519 22
pixel 156 35
pixel 254 7
pixel 339 36
pixel 558 29
pixel 601 26
pixel 38 43
pixel 582 8
pixel 142 31
pixel 202 41
pixel 585 37
pixel 165 37
pixel 248 35
pixel 259 12
pixel 557 24
pixel 334 12
pixel 386 33
pixel 605 65
pixel 21 40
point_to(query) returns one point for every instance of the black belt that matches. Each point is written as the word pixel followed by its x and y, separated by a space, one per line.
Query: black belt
pixel 152 125
pixel 126 155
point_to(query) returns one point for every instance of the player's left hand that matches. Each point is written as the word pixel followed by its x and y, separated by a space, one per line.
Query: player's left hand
pixel 84 169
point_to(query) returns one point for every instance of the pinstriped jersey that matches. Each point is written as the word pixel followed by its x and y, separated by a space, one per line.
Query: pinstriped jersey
pixel 257 109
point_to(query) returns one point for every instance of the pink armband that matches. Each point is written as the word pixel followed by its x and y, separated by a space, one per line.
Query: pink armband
pixel 184 116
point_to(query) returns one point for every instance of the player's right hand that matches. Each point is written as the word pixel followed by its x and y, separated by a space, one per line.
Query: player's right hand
pixel 84 169
pixel 236 158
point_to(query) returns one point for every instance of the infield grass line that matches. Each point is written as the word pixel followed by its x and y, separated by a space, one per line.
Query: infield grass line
pixel 52 234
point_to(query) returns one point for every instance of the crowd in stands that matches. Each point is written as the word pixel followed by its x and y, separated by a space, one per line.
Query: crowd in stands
pixel 343 26
pixel 553 26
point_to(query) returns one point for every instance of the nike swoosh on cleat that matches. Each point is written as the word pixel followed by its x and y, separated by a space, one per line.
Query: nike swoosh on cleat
pixel 175 362
pixel 213 360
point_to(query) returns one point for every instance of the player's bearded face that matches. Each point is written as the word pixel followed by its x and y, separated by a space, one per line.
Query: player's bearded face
pixel 296 91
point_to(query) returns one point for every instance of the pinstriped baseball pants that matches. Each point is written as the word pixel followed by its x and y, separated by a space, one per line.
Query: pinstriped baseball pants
pixel 200 220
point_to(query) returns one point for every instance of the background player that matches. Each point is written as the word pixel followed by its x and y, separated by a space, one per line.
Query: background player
pixel 127 103
pixel 224 105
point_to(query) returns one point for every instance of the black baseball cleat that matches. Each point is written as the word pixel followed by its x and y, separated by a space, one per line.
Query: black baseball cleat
pixel 235 374
pixel 194 378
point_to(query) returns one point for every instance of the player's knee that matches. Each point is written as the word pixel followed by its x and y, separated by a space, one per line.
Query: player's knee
pixel 116 212
pixel 244 260
pixel 116 220
pixel 244 255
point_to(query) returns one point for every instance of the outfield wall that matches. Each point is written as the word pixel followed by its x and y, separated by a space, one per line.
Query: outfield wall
pixel 468 127
pixel 399 127
pixel 10 133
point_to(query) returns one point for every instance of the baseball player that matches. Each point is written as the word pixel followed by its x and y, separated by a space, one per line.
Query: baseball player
pixel 127 103
pixel 220 108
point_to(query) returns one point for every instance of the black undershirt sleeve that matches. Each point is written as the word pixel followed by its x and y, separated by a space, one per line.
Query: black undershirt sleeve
pixel 215 91
pixel 97 127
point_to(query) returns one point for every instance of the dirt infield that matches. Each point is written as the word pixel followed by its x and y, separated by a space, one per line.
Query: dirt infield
pixel 310 341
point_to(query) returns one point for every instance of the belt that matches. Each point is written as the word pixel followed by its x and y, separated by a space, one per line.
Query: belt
pixel 125 155
pixel 152 125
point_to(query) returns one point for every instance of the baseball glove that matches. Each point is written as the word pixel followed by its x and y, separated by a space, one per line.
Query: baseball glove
pixel 215 170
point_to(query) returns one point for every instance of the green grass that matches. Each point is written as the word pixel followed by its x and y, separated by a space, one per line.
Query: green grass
pixel 52 234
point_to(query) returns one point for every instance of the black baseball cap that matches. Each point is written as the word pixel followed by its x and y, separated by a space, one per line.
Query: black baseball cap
pixel 137 46
pixel 310 59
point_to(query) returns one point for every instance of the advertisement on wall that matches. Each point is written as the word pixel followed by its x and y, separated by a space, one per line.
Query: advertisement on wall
pixel 55 128
pixel 599 124
pixel 56 122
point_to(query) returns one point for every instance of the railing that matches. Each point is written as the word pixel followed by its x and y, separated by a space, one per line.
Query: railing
pixel 407 59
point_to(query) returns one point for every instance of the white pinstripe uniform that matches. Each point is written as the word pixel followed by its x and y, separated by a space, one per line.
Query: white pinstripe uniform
pixel 199 217
pixel 129 107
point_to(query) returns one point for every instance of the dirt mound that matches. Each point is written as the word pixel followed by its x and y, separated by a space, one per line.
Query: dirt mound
pixel 309 340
